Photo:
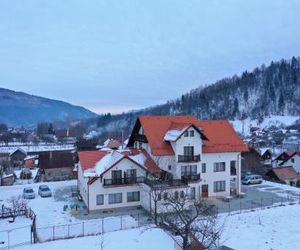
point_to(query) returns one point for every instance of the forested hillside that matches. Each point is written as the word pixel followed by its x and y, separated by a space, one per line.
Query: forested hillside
pixel 267 90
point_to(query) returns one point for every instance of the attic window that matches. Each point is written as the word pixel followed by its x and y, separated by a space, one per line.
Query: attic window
pixel 192 133
pixel 186 133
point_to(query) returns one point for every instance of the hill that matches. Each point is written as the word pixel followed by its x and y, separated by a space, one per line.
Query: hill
pixel 21 109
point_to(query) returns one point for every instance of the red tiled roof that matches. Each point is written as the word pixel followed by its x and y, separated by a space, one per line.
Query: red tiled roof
pixel 221 136
pixel 88 159
pixel 285 173
pixel 149 164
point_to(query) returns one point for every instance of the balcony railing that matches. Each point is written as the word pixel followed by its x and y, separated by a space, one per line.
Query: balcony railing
pixel 150 183
pixel 124 181
pixel 188 158
pixel 190 177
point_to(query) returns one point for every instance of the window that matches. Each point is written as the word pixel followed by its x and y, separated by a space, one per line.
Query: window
pixel 219 166
pixel 188 150
pixel 115 198
pixel 192 133
pixel 131 173
pixel 133 196
pixel 169 167
pixel 165 196
pixel 181 194
pixel 159 197
pixel 232 164
pixel 203 167
pixel 233 167
pixel 192 193
pixel 219 186
pixel 293 160
pixel 176 195
pixel 188 170
pixel 116 174
pixel 140 144
pixel 186 133
pixel 100 199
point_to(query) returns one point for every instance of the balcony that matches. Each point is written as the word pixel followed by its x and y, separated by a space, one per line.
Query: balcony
pixel 188 158
pixel 124 181
pixel 190 177
pixel 150 183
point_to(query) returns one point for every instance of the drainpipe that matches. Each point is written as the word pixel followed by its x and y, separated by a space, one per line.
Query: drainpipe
pixel 88 198
pixel 238 176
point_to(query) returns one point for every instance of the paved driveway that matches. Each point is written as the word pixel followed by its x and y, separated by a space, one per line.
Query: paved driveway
pixel 259 196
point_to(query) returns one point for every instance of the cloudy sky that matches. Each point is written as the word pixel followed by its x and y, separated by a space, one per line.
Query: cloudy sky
pixel 113 56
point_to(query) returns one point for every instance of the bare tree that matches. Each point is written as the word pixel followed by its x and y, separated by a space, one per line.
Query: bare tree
pixel 191 219
pixel 17 206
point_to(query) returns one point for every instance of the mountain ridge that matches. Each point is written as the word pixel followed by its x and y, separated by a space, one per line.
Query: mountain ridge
pixel 21 109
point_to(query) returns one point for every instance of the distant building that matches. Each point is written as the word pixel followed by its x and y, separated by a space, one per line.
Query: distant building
pixel 56 166
pixel 17 158
pixel 286 175
pixel 251 162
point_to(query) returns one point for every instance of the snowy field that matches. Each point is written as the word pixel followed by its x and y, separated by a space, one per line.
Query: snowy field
pixel 133 239
pixel 274 228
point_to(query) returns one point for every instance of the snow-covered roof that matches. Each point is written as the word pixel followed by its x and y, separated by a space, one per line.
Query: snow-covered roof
pixel 173 134
pixel 107 158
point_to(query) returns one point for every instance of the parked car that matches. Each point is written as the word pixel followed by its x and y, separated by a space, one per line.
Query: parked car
pixel 243 175
pixel 252 179
pixel 44 191
pixel 28 193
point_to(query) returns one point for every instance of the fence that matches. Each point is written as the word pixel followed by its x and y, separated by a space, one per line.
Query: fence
pixel 87 228
pixel 238 206
pixel 15 237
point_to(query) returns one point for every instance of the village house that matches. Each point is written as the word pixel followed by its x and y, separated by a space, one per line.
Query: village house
pixel 181 154
pixel 289 159
pixel 56 166
pixel 286 175
pixel 17 157
pixel 251 162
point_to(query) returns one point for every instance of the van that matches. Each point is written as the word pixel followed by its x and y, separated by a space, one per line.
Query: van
pixel 252 179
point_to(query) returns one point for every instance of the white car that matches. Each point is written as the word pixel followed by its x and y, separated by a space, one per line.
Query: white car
pixel 252 179
pixel 28 193
pixel 44 191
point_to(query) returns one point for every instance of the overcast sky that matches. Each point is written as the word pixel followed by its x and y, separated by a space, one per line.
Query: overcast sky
pixel 113 56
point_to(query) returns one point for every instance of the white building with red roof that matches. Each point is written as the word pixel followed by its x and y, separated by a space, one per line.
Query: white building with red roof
pixel 179 153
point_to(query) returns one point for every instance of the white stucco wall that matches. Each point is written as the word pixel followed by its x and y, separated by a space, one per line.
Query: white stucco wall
pixel 295 164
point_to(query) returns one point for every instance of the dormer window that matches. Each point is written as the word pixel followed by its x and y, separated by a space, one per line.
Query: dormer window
pixel 186 133
pixel 192 133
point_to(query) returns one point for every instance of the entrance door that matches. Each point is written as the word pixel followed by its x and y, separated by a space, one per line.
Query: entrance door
pixel 204 192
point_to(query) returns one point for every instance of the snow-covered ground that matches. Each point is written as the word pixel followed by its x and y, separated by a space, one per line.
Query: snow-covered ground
pixel 49 211
pixel 274 228
pixel 277 120
pixel 133 239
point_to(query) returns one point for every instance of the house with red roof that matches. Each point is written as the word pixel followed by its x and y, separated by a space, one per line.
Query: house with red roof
pixel 288 159
pixel 207 153
pixel 178 154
